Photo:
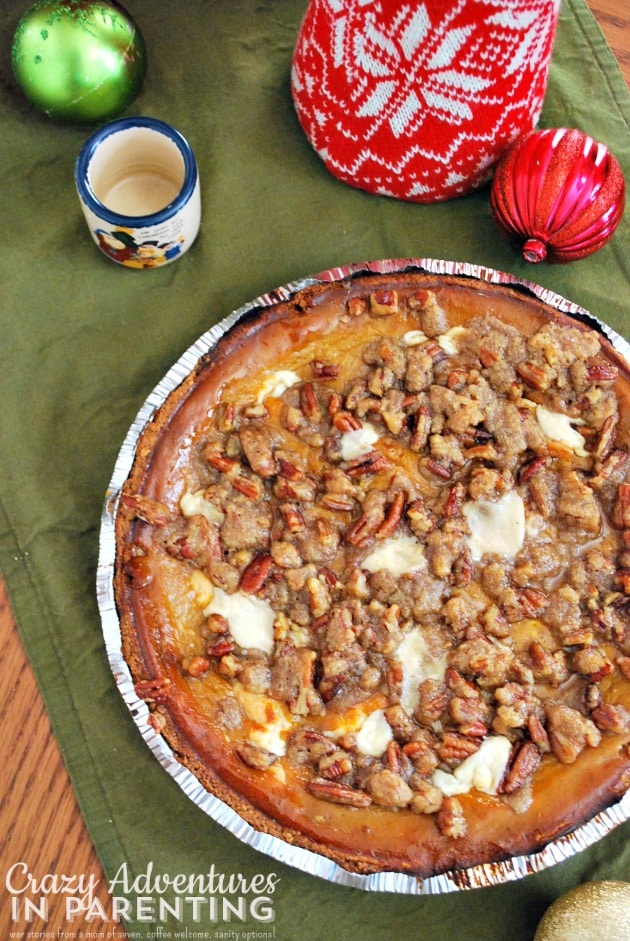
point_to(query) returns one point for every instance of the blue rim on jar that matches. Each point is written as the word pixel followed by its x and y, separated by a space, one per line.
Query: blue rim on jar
pixel 153 149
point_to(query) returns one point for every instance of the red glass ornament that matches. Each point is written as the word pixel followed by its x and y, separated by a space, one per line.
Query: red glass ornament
pixel 558 194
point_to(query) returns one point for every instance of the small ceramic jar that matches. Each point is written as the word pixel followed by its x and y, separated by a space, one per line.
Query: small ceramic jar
pixel 138 184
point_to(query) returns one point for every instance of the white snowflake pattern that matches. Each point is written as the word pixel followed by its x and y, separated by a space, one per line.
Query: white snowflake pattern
pixel 398 70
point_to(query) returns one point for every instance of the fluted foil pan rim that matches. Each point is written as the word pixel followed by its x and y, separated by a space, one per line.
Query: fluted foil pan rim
pixel 479 876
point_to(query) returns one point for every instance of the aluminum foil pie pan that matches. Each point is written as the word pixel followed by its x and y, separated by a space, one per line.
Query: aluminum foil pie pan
pixel 478 876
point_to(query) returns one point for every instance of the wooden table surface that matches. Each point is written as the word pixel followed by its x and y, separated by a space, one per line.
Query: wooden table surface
pixel 40 822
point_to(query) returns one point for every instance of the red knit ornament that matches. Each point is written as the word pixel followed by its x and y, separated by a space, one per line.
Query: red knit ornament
pixel 419 100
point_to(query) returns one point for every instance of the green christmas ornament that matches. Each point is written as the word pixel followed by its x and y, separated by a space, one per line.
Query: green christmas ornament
pixel 82 61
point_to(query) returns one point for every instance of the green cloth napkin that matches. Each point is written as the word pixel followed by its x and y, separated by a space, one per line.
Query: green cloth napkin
pixel 84 341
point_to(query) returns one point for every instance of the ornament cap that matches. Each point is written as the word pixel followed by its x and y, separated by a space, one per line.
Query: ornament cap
pixel 534 251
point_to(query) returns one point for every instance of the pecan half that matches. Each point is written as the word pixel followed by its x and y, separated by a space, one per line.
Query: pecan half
pixel 195 666
pixel 533 375
pixel 455 747
pixel 439 470
pixel 293 518
pixel 338 793
pixel 252 489
pixel 393 516
pixel 372 463
pixel 303 489
pixel 605 438
pixel 482 452
pixel 324 370
pixel 226 417
pixel 538 734
pixel 288 470
pixel 611 718
pixel 420 517
pixel 420 434
pixel 356 306
pixel 328 577
pixel 217 624
pixel 221 648
pixel 255 757
pixel 450 818
pixel 157 690
pixel 528 470
pixel 621 510
pixel 532 601
pixel 393 757
pixel 335 403
pixel 424 758
pixel 345 421
pixel 309 404
pixel 454 500
pixel 601 372
pixel 362 530
pixel 335 765
pixel 383 303
pixel 524 761
pixel 256 574
pixel 338 501
pixel 219 461
pixel 622 578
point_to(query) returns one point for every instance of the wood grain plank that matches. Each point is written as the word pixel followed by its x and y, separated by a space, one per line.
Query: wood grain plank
pixel 40 822
pixel 613 17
